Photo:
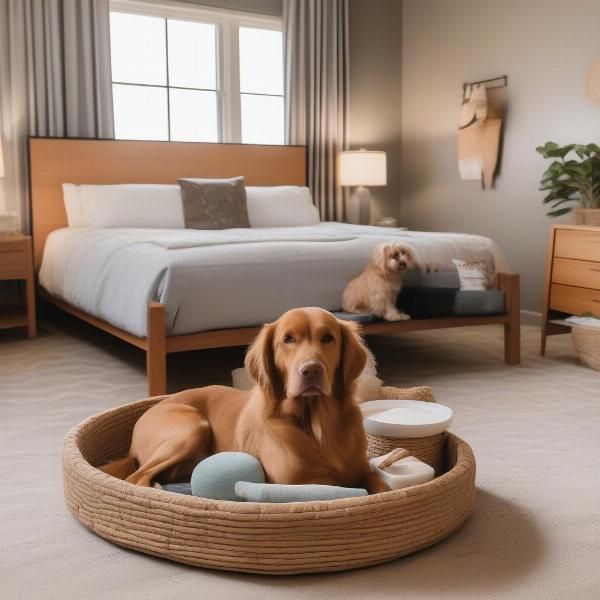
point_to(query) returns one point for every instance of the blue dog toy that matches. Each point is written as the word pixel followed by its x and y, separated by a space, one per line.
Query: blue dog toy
pixel 215 477
pixel 240 476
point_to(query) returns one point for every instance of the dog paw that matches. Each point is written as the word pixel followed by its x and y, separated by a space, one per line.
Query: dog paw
pixel 393 316
pixel 404 317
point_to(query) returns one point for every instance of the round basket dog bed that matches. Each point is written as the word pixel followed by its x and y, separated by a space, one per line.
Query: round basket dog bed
pixel 254 537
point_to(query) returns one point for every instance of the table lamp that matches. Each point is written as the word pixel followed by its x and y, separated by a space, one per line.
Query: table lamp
pixel 362 168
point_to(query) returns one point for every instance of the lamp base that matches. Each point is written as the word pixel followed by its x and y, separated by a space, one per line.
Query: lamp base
pixel 361 204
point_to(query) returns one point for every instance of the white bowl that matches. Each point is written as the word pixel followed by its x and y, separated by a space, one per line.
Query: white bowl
pixel 405 418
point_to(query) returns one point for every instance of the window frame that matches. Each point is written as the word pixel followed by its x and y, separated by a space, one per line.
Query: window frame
pixel 227 23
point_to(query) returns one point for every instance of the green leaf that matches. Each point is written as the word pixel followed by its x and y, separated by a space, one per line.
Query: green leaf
pixel 559 212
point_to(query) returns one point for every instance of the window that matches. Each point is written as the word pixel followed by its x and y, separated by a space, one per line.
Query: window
pixel 196 75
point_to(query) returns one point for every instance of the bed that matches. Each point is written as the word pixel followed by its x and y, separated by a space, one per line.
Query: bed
pixel 190 289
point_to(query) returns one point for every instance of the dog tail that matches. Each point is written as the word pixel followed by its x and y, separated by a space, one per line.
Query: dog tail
pixel 121 468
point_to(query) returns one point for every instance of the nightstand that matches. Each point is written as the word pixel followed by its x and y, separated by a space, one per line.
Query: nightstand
pixel 572 284
pixel 16 263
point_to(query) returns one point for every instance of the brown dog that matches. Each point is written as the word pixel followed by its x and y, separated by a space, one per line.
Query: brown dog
pixel 300 420
pixel 376 289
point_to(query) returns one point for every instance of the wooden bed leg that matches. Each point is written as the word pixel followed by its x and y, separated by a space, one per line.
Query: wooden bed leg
pixel 510 284
pixel 156 350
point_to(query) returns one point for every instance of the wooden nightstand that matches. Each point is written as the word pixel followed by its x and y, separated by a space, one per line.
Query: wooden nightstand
pixel 572 284
pixel 16 263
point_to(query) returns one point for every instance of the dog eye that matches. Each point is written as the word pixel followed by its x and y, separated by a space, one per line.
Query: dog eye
pixel 395 256
pixel 289 339
pixel 327 339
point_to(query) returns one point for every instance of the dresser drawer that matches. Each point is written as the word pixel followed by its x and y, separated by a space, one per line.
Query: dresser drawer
pixel 14 265
pixel 577 244
pixel 580 273
pixel 574 300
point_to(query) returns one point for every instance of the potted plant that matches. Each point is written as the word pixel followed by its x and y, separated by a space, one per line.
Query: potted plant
pixel 572 181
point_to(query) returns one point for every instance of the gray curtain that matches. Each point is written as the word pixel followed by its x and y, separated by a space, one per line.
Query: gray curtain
pixel 316 57
pixel 55 80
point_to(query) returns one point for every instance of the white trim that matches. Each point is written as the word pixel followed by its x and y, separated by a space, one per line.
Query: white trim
pixel 227 23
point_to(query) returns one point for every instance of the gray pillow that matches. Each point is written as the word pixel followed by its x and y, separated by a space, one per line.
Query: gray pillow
pixel 214 203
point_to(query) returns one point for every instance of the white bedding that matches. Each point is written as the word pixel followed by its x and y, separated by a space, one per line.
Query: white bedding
pixel 227 278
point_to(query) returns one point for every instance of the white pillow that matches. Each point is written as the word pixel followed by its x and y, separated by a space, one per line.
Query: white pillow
pixel 73 206
pixel 473 274
pixel 133 205
pixel 280 206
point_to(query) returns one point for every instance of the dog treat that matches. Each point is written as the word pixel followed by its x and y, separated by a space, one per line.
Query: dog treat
pixel 394 456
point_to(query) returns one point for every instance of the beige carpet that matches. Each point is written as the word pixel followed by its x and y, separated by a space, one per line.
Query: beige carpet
pixel 535 430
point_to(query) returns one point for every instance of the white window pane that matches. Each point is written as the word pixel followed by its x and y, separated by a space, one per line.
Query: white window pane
pixel 262 119
pixel 192 54
pixel 140 112
pixel 194 116
pixel 138 53
pixel 261 61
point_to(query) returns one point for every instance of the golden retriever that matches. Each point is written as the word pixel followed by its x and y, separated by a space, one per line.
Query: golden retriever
pixel 301 419
pixel 376 289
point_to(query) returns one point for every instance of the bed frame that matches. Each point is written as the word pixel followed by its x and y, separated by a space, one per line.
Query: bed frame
pixel 57 160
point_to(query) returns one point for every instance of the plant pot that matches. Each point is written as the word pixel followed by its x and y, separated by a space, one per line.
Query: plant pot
pixel 587 216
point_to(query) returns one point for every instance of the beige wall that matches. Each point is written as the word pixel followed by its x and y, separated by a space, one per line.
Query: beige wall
pixel 375 90
pixel 545 47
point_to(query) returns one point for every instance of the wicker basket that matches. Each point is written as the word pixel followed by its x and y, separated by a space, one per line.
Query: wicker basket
pixel 587 345
pixel 428 449
pixel 251 537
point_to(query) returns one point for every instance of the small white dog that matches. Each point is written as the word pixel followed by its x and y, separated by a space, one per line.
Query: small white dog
pixel 376 289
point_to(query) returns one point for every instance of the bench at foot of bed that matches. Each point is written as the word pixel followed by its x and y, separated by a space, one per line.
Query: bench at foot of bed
pixel 158 344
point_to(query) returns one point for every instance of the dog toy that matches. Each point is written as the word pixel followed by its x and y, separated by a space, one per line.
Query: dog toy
pixel 399 469
pixel 215 477
pixel 274 492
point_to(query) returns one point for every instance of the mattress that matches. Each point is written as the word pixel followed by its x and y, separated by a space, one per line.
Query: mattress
pixel 233 278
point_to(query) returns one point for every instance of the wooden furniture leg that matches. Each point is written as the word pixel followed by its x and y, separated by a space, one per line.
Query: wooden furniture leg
pixel 510 284
pixel 30 296
pixel 156 350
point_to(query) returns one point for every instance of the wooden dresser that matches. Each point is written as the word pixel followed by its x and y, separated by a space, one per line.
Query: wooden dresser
pixel 572 285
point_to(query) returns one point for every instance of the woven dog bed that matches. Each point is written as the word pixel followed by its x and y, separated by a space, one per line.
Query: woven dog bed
pixel 252 537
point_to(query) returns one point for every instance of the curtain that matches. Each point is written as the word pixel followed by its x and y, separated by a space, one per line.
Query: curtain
pixel 316 53
pixel 54 81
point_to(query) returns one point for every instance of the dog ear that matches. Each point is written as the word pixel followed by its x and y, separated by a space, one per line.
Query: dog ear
pixel 260 362
pixel 353 357
pixel 380 256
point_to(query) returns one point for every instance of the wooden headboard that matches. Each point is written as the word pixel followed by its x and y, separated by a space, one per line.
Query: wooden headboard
pixel 54 161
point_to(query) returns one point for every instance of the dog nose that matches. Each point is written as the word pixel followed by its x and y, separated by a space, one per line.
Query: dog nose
pixel 311 369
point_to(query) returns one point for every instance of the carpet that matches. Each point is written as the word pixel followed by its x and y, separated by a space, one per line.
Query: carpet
pixel 535 430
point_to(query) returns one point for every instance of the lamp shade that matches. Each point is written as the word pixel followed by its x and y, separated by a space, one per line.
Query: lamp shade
pixel 362 167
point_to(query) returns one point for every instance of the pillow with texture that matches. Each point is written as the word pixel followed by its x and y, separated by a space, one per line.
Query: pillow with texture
pixel 281 206
pixel 214 203
pixel 473 274
pixel 133 205
pixel 74 205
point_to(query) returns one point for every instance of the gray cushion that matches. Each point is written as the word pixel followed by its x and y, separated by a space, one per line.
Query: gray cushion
pixel 358 317
pixel 478 302
pixel 444 278
pixel 214 203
